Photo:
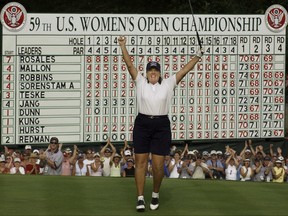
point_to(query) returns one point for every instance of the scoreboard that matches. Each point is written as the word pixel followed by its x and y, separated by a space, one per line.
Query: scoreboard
pixel 63 75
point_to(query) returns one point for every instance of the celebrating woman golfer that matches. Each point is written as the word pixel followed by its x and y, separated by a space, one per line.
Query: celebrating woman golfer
pixel 152 132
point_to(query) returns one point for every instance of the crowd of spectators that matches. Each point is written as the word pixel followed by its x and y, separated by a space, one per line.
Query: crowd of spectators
pixel 251 164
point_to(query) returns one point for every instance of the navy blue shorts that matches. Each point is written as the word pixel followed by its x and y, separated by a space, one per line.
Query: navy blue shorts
pixel 152 134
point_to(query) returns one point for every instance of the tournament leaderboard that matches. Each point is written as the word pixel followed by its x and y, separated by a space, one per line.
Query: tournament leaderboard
pixel 63 74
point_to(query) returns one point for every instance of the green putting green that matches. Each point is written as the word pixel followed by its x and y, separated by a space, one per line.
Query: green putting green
pixel 60 195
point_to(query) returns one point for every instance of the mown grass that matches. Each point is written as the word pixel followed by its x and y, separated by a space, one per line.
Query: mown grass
pixel 59 195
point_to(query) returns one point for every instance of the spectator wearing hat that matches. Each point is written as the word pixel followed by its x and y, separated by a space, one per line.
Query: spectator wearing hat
pixel 172 149
pixel 267 166
pixel 191 156
pixel 96 166
pixel 175 165
pixel 221 158
pixel 259 170
pixel 69 160
pixel 115 166
pixel 17 168
pixel 129 171
pixel 278 171
pixel 259 154
pixel 9 162
pixel 248 152
pixel 3 168
pixel 199 168
pixel 52 159
pixel 231 166
pixel 125 147
pixel 80 169
pixel 32 168
pixel 89 158
pixel 185 171
pixel 127 154
pixel 246 171
pixel 37 152
pixel 215 165
pixel 205 156
pixel 28 149
pixel 24 158
pixel 107 153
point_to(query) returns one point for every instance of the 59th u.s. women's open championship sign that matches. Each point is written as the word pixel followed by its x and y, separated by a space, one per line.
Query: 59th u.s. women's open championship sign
pixel 63 74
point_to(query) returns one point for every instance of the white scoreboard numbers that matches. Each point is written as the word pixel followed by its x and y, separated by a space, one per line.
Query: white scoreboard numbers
pixel 63 75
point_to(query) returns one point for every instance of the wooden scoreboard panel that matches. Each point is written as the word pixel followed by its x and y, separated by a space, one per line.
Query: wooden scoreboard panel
pixel 63 75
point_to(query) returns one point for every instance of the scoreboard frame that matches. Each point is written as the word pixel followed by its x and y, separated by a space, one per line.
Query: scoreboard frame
pixel 63 75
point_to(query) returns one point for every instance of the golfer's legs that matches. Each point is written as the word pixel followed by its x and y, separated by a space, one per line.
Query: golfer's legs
pixel 141 165
pixel 158 171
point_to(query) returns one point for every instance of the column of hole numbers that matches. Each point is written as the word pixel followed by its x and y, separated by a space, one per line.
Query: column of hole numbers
pixel 89 89
pixel 224 88
pixel 166 72
pixel 119 80
pixel 204 86
pixel 115 109
pixel 174 61
pixel 195 102
pixel 102 88
pixel 230 61
pixel 219 100
pixel 138 51
pixel 129 89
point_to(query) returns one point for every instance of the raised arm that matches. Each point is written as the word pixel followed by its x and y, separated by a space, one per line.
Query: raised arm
pixel 113 150
pixel 228 159
pixel 251 147
pixel 72 159
pixel 126 145
pixel 189 66
pixel 104 147
pixel 271 149
pixel 242 154
pixel 185 150
pixel 131 68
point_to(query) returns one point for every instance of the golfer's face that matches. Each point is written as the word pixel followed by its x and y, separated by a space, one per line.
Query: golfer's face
pixel 153 75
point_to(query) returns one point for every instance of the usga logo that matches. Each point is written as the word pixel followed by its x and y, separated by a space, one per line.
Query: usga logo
pixel 276 18
pixel 13 16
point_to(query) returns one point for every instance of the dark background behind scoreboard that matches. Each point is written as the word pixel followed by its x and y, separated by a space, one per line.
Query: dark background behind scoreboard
pixel 148 6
